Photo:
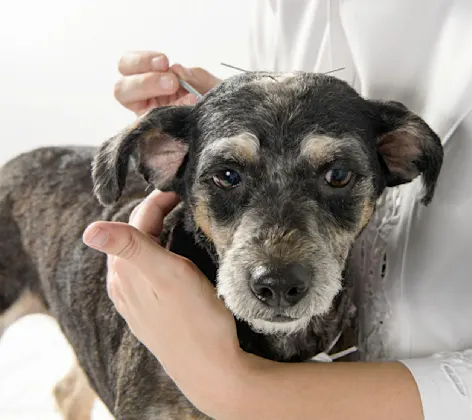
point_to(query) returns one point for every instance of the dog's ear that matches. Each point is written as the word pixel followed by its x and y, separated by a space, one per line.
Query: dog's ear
pixel 158 144
pixel 407 147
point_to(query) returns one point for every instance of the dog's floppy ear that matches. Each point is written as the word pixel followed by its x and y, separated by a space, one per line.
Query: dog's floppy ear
pixel 407 147
pixel 158 144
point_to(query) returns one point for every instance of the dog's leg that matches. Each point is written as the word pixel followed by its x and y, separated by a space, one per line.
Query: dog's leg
pixel 75 398
pixel 17 274
pixel 28 303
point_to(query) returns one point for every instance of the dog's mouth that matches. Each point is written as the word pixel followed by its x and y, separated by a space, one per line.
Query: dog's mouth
pixel 279 318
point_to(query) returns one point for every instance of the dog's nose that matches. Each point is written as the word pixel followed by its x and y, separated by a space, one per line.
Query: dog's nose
pixel 282 287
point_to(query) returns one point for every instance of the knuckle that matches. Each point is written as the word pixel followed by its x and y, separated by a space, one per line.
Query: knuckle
pixel 134 62
pixel 127 62
pixel 199 70
pixel 130 249
pixel 149 80
pixel 137 61
pixel 187 268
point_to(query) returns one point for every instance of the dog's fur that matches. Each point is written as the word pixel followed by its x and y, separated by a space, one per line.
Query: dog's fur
pixel 282 134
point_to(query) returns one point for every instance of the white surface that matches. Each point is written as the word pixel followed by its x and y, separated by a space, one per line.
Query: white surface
pixel 34 356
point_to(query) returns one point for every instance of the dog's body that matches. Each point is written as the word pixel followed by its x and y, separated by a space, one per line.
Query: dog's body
pixel 46 202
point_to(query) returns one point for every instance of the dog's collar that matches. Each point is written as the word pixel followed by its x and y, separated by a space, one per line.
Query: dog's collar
pixel 324 356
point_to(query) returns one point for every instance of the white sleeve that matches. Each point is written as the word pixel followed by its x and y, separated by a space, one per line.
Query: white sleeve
pixel 445 384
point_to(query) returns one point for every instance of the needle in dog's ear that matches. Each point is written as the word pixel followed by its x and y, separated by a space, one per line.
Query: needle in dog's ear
pixel 234 67
pixel 273 78
pixel 335 70
pixel 244 71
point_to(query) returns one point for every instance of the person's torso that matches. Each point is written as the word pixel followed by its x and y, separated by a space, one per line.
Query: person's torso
pixel 415 261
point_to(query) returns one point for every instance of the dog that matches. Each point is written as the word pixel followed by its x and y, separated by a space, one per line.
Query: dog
pixel 278 174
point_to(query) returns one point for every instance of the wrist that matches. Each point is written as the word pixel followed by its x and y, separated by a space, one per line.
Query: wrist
pixel 246 373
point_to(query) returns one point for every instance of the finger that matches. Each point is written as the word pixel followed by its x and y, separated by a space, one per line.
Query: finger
pixel 158 265
pixel 189 99
pixel 134 211
pixel 141 87
pixel 129 244
pixel 137 62
pixel 199 78
pixel 150 213
pixel 140 107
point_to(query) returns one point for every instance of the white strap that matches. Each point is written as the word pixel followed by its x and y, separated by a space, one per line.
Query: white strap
pixel 328 358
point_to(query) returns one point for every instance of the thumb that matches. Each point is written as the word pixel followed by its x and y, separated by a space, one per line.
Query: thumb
pixel 199 78
pixel 126 242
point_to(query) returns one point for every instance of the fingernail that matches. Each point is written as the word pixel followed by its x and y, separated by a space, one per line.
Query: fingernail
pixel 158 63
pixel 167 82
pixel 97 237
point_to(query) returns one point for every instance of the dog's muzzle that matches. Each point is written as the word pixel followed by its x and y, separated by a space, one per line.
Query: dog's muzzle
pixel 280 287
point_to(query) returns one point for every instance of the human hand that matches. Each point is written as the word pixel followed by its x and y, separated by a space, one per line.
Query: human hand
pixel 148 82
pixel 169 305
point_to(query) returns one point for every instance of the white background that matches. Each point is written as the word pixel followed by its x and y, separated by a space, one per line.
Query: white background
pixel 58 60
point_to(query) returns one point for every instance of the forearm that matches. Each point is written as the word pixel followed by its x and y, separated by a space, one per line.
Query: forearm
pixel 364 391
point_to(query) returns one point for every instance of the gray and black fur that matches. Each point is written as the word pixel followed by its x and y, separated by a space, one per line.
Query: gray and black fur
pixel 276 244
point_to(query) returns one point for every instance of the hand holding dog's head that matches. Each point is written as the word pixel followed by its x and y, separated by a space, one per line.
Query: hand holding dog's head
pixel 280 173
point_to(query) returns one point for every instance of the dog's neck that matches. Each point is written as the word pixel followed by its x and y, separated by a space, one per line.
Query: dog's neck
pixel 179 236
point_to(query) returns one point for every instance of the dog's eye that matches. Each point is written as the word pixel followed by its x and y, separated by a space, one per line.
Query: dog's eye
pixel 338 177
pixel 227 179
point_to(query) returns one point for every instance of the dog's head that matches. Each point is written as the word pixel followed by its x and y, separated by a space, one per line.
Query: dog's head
pixel 280 173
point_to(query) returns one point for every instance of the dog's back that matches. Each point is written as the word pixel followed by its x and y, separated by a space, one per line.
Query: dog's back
pixel 46 201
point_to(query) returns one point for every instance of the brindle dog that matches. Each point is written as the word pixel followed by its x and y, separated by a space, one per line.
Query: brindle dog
pixel 278 175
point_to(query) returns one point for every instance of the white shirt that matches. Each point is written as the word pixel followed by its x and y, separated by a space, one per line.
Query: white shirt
pixel 419 308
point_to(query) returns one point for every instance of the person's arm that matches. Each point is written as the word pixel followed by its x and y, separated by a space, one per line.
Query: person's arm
pixel 173 310
pixel 431 388
pixel 358 391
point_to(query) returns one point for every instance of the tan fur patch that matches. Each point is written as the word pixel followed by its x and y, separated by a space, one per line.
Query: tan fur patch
pixel 318 148
pixel 27 304
pixel 74 396
pixel 202 217
pixel 284 245
pixel 220 236
pixel 244 148
pixel 367 212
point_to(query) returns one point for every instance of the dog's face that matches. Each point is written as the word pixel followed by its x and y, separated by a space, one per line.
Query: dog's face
pixel 280 173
